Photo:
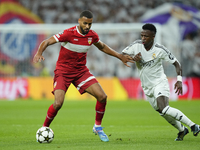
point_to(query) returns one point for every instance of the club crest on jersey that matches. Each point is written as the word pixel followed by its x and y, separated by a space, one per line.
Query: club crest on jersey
pixel 154 56
pixel 89 40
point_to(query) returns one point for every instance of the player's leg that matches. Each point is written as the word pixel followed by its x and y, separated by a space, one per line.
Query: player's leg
pixel 173 122
pixel 152 100
pixel 61 85
pixel 161 92
pixel 177 124
pixel 165 109
pixel 157 91
pixel 59 99
pixel 97 91
pixel 53 109
pixel 86 82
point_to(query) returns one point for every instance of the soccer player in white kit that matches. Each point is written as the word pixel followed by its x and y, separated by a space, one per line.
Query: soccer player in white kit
pixel 148 56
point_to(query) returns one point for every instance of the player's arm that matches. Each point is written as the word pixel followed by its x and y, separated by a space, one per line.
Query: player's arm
pixel 38 56
pixel 178 84
pixel 106 49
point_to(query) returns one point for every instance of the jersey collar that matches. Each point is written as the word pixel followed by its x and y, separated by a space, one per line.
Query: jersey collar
pixel 79 31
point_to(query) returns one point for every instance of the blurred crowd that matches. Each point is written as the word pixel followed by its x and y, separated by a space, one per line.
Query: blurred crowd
pixel 190 55
pixel 105 11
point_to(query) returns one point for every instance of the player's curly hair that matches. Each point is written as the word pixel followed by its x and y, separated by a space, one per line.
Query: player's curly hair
pixel 86 13
pixel 150 27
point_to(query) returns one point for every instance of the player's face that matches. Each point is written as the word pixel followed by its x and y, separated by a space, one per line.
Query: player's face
pixel 147 37
pixel 85 24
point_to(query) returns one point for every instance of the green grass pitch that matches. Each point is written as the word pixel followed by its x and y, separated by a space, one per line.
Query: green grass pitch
pixel 130 125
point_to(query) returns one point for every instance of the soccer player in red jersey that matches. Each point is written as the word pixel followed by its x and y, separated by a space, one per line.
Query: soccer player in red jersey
pixel 71 67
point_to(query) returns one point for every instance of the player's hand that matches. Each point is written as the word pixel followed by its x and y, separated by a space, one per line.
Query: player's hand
pixel 127 58
pixel 178 87
pixel 137 57
pixel 38 58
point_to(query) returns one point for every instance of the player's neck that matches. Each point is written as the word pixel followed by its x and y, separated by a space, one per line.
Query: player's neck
pixel 79 29
pixel 149 46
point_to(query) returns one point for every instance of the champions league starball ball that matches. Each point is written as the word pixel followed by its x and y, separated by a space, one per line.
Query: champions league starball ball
pixel 44 135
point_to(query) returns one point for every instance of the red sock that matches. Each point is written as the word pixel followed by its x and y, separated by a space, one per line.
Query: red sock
pixel 51 113
pixel 100 109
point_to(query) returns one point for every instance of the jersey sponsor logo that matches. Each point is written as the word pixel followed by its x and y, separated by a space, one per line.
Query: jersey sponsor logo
pixel 89 40
pixel 144 64
pixel 75 39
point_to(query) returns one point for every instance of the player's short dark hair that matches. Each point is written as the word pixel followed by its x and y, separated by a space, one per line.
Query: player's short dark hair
pixel 149 27
pixel 86 13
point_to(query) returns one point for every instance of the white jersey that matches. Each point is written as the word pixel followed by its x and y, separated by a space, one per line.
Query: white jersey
pixel 150 68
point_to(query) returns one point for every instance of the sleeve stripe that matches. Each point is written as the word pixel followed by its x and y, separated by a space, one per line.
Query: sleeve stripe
pixel 56 38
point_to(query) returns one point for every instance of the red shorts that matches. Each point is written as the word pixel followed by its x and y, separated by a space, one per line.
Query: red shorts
pixel 80 79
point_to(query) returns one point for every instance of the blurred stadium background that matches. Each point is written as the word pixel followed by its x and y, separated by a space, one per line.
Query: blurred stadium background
pixel 25 23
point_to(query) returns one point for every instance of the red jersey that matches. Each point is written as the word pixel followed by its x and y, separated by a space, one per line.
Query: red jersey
pixel 74 47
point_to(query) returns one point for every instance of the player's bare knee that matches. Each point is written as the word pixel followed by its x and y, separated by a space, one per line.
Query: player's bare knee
pixel 162 102
pixel 102 98
pixel 57 105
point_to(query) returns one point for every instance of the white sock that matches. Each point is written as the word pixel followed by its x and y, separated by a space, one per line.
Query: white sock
pixel 178 115
pixel 97 125
pixel 174 122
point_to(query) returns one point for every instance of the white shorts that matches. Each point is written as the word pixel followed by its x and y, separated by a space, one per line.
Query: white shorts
pixel 162 89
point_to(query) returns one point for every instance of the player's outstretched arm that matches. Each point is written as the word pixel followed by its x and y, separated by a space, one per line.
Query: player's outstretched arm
pixel 38 56
pixel 106 49
pixel 178 84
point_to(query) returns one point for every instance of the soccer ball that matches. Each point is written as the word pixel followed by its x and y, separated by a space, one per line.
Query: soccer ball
pixel 44 135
